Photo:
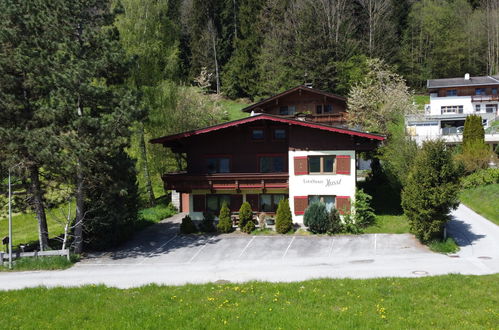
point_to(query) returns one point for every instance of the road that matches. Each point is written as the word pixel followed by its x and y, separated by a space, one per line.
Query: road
pixel 159 255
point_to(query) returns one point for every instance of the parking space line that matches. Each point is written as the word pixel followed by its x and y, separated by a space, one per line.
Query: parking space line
pixel 153 252
pixel 201 249
pixel 244 250
pixel 286 252
pixel 331 248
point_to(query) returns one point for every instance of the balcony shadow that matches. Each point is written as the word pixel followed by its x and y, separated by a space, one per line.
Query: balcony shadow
pixel 461 232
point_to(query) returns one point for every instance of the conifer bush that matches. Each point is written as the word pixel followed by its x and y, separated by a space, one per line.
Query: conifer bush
pixel 316 218
pixel 284 220
pixel 248 227
pixel 245 215
pixel 207 225
pixel 364 213
pixel 431 191
pixel 187 226
pixel 335 223
pixel 224 223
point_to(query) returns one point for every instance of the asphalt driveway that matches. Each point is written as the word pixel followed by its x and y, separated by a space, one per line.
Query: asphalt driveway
pixel 159 255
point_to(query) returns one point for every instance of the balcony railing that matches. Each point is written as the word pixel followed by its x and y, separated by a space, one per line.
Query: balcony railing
pixel 484 98
pixel 185 182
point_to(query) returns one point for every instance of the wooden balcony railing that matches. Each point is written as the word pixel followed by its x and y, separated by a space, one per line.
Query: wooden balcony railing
pixel 185 182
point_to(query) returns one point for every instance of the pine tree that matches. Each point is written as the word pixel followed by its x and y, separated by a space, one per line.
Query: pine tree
pixel 224 223
pixel 473 131
pixel 245 215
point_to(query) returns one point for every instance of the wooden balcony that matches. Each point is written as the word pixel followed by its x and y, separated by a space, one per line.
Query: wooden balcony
pixel 328 119
pixel 185 182
pixel 484 98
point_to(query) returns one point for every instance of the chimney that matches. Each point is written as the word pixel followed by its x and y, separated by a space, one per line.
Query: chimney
pixel 467 76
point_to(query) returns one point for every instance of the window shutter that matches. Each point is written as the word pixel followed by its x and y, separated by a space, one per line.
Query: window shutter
pixel 199 202
pixel 301 203
pixel 252 199
pixel 235 202
pixel 343 204
pixel 301 165
pixel 343 165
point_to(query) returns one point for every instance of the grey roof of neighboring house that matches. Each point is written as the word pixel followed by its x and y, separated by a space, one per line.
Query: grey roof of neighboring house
pixel 458 82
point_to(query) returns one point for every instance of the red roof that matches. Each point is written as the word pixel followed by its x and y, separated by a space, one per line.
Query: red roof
pixel 292 90
pixel 270 118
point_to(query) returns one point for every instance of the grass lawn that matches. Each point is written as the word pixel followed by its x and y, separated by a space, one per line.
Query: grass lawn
pixel 389 224
pixel 233 108
pixel 421 100
pixel 25 225
pixel 483 200
pixel 444 302
pixel 41 263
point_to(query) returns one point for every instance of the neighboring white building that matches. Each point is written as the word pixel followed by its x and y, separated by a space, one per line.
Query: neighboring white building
pixel 451 101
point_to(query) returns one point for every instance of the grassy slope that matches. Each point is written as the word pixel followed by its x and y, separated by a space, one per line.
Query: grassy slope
pixel 421 100
pixel 483 200
pixel 444 302
pixel 233 108
pixel 25 225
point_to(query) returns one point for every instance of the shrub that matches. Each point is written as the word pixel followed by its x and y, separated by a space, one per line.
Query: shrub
pixel 207 226
pixel 316 218
pixel 349 225
pixel 187 226
pixel 224 223
pixel 475 154
pixel 284 221
pixel 245 215
pixel 364 214
pixel 431 190
pixel 335 224
pixel 481 178
pixel 248 227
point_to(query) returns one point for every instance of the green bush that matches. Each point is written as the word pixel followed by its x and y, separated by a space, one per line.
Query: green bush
pixel 248 227
pixel 431 191
pixel 481 178
pixel 187 226
pixel 335 223
pixel 224 223
pixel 245 215
pixel 284 220
pixel 349 225
pixel 207 224
pixel 316 218
pixel 364 215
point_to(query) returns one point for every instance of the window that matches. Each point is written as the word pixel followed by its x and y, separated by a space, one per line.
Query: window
pixel 270 164
pixel 321 164
pixel 269 202
pixel 279 134
pixel 218 165
pixel 494 91
pixel 452 92
pixel 257 134
pixel 491 108
pixel 328 200
pixel 451 109
pixel 214 203
pixel 287 110
pixel 477 107
pixel 479 91
pixel 326 108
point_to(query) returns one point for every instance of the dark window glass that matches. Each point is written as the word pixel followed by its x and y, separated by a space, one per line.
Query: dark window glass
pixel 479 91
pixel 328 164
pixel 269 164
pixel 452 92
pixel 328 108
pixel 329 201
pixel 314 164
pixel 283 111
pixel 214 203
pixel 270 202
pixel 477 107
pixel 257 134
pixel 291 110
pixel 279 134
pixel 218 165
pixel 494 91
pixel 318 109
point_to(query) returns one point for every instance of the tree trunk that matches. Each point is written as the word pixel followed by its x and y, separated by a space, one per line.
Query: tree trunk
pixel 37 202
pixel 80 211
pixel 145 167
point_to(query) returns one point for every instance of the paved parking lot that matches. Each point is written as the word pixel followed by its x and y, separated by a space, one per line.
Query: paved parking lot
pixel 163 245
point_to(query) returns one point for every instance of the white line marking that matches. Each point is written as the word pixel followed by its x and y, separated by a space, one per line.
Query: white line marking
pixel 374 244
pixel 244 250
pixel 201 249
pixel 153 252
pixel 286 252
pixel 331 248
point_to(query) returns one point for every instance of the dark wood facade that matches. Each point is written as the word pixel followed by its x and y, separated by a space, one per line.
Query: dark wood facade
pixel 485 93
pixel 312 104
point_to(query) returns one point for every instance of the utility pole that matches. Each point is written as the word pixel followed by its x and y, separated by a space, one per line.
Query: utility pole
pixel 10 223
